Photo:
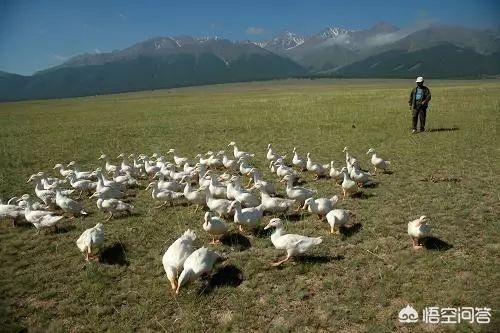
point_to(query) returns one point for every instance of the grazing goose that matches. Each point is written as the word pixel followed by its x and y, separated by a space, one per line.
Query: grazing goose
pixel 246 218
pixel 200 262
pixel 112 206
pixel 177 159
pixel 338 218
pixel 299 161
pixel 239 153
pixel 69 205
pixel 320 206
pixel 418 229
pixel 215 226
pixel 176 255
pixel 293 244
pixel 110 168
pixel 63 171
pixel 166 196
pixel 91 241
pixel 319 169
pixel 273 205
pixel 378 163
pixel 81 174
pixel 298 193
pixel 348 186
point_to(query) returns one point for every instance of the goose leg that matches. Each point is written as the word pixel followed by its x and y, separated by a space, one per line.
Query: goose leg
pixel 110 216
pixel 163 204
pixel 320 217
pixel 196 209
pixel 172 284
pixel 280 262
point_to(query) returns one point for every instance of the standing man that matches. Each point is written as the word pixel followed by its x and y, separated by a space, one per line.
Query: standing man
pixel 419 100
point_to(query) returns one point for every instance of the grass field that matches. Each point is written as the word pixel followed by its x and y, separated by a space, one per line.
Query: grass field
pixel 353 283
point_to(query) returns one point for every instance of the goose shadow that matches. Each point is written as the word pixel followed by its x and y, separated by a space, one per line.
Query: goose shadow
pixel 236 241
pixel 362 195
pixel 260 232
pixel 435 244
pixel 350 231
pixel 114 255
pixel 295 216
pixel 223 276
pixel 317 259
pixel 443 129
pixel 371 184
pixel 125 216
pixel 64 229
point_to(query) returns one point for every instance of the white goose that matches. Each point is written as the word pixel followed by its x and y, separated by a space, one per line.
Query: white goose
pixel 359 176
pixel 177 159
pixel 246 198
pixel 239 153
pixel 282 170
pixel 377 162
pixel 82 185
pixel 195 196
pixel 273 205
pixel 266 186
pixel 292 243
pixel 320 206
pixel 216 189
pixel 198 263
pixel 298 193
pixel 41 219
pixel 299 161
pixel 149 167
pixel 176 255
pixel 335 173
pixel 245 167
pixel 69 205
pixel 81 174
pixel 166 196
pixel 62 170
pixel 138 167
pixel 215 226
pixel 418 229
pixel 163 184
pixel 112 206
pixel 319 169
pixel 47 196
pixel 91 241
pixel 11 212
pixel 246 218
pixel 348 186
pixel 110 168
pixel 338 218
pixel 213 161
pixel 231 165
pixel 125 165
pixel 219 206
pixel 108 192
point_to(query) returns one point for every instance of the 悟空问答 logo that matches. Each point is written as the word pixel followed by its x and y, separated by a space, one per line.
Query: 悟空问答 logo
pixel 408 315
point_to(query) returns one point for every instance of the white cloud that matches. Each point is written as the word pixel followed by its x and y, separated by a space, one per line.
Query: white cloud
pixel 122 16
pixel 60 57
pixel 386 38
pixel 255 31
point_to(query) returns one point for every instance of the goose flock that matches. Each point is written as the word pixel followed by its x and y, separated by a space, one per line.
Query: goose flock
pixel 212 181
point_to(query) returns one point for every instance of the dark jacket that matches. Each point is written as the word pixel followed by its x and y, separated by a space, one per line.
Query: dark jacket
pixel 425 98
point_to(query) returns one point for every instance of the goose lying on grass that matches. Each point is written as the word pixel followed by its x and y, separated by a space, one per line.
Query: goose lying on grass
pixel 112 206
pixel 292 243
pixel 320 206
pixel 176 255
pixel 377 162
pixel 418 229
pixel 91 241
pixel 200 262
pixel 215 226
pixel 338 218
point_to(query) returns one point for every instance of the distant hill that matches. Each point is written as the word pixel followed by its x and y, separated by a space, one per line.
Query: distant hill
pixel 156 63
pixel 444 60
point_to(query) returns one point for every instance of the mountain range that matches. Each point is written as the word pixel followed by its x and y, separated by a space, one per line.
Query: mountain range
pixel 164 62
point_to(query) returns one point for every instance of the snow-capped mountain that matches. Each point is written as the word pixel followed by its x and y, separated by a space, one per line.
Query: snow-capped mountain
pixel 283 42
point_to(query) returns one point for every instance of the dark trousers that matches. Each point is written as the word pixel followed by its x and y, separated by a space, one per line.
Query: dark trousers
pixel 419 112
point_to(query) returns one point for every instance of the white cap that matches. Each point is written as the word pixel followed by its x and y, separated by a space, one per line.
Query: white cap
pixel 420 79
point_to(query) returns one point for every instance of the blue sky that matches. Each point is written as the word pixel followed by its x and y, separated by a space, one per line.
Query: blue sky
pixel 38 34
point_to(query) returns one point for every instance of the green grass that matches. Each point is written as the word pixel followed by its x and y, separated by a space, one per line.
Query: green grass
pixel 355 283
